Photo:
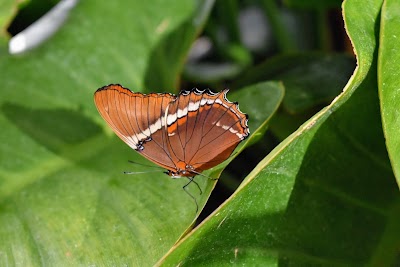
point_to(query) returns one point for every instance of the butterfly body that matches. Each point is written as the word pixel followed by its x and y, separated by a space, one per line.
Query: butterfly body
pixel 185 134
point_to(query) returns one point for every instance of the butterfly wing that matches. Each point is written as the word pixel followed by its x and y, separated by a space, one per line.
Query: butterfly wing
pixel 204 128
pixel 138 119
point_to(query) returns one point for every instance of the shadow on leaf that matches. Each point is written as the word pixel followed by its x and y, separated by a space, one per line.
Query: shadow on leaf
pixel 55 129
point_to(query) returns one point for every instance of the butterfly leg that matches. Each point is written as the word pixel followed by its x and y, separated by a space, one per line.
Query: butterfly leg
pixel 191 180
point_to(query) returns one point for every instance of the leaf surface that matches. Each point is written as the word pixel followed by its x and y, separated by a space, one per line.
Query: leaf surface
pixel 325 196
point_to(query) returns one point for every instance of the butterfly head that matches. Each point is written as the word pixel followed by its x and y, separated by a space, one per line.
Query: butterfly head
pixel 182 170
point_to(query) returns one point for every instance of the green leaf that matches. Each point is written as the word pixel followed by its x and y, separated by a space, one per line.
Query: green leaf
pixel 8 9
pixel 388 77
pixel 260 102
pixel 324 196
pixel 64 199
pixel 310 79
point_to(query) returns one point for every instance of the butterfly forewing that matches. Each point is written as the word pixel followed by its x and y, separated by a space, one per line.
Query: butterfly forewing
pixel 138 120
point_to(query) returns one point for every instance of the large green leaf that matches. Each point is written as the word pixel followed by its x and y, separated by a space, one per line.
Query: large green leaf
pixel 324 196
pixel 389 80
pixel 64 199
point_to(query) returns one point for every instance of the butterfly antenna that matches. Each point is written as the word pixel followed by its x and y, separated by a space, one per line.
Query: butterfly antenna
pixel 145 165
pixel 128 172
pixel 159 169
pixel 187 192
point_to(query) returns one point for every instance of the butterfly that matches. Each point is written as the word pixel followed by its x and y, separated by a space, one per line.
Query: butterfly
pixel 184 134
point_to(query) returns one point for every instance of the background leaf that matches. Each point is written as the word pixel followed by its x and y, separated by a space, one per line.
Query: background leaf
pixel 260 102
pixel 310 79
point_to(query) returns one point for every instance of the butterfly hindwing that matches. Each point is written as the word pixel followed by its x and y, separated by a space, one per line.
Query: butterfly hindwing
pixel 204 128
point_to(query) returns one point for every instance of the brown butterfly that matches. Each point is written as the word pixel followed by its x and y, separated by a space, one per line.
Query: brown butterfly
pixel 185 134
